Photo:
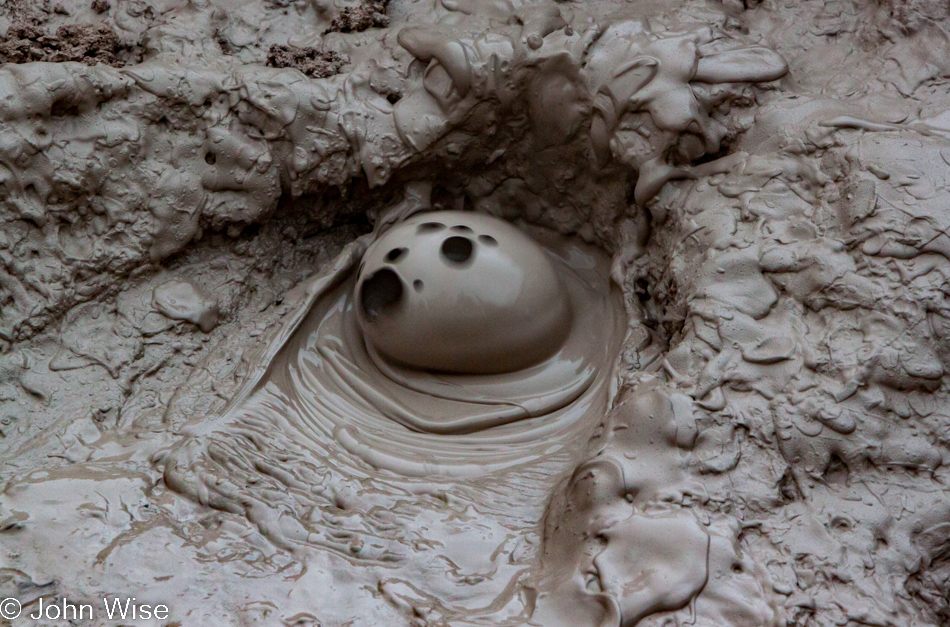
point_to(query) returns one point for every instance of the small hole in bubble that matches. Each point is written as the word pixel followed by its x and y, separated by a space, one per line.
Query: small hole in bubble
pixel 430 227
pixel 461 228
pixel 210 158
pixel 380 293
pixel 418 285
pixel 488 240
pixel 737 568
pixel 457 249
pixel 396 254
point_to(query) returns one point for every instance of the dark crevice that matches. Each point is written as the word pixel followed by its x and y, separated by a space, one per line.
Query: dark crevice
pixel 725 148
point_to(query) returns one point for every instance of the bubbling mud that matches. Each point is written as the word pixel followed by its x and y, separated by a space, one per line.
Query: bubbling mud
pixel 512 406
pixel 485 298
pixel 329 446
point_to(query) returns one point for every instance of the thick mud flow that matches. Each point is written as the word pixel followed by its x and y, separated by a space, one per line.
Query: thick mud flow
pixel 327 382
pixel 475 312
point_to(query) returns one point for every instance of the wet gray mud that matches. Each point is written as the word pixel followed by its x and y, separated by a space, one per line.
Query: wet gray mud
pixel 476 312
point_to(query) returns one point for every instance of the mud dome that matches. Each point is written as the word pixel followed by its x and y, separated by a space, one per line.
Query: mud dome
pixel 728 404
pixel 342 399
pixel 484 299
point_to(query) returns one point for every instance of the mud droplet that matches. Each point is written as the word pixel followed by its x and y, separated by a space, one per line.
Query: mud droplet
pixel 180 300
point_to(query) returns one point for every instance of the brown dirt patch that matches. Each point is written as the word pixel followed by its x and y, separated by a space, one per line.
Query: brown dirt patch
pixel 311 61
pixel 355 19
pixel 26 41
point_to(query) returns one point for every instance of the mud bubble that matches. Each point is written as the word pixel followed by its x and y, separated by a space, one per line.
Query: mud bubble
pixel 534 314
pixel 485 298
